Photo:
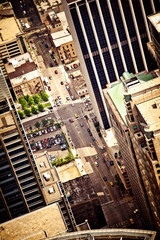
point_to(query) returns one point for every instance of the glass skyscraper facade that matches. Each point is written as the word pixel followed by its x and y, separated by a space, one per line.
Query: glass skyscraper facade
pixel 112 37
pixel 20 188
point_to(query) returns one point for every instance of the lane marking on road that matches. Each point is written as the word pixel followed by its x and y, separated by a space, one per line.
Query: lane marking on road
pixel 94 163
pixel 107 203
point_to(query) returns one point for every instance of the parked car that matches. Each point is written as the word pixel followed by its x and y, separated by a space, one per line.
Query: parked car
pixel 51 64
pixel 71 120
pixel 112 184
pixel 50 77
pixel 67 98
pixel 81 124
pixel 76 116
pixel 46 45
pixel 56 72
pixel 104 178
pixel 96 163
pixel 43 131
pixel 88 129
pixel 49 88
pixel 90 134
pixel 93 139
pixel 45 140
pixel 48 130
pixel 34 135
pixel 111 163
pixel 62 83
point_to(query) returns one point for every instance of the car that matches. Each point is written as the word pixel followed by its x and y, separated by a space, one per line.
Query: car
pixel 42 142
pixel 67 98
pixel 62 83
pixel 40 133
pixel 90 134
pixel 75 65
pixel 48 130
pixel 46 45
pixel 96 157
pixel 49 88
pixel 76 116
pixel 71 120
pixel 93 139
pixel 44 145
pixel 81 124
pixel 51 128
pixel 104 178
pixel 72 104
pixel 43 131
pixel 58 104
pixel 112 184
pixel 111 163
pixel 34 135
pixel 51 64
pixel 88 129
pixel 45 140
pixel 96 163
pixel 50 77
pixel 28 137
pixel 31 41
pixel 56 72
pixel 72 97
pixel 115 155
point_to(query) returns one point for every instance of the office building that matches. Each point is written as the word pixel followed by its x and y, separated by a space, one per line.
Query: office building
pixel 20 185
pixel 134 116
pixel 12 41
pixel 24 76
pixel 110 38
pixel 154 46
pixel 85 202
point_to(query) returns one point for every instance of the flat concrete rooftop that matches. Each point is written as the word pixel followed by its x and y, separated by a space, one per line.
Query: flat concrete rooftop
pixel 9 29
pixel 150 111
pixel 34 225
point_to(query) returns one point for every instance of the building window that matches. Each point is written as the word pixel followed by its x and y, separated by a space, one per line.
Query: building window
pixel 157 165
pixel 71 45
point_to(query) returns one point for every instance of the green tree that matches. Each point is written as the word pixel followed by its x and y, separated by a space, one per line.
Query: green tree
pixel 44 122
pixel 26 97
pixel 37 98
pixel 21 114
pixel 30 101
pixel 27 112
pixel 44 96
pixel 51 121
pixel 24 103
pixel 34 109
pixel 40 107
pixel 37 124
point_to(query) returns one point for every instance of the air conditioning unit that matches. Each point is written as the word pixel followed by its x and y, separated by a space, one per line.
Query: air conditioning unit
pixel 50 190
pixel 41 164
pixel 46 176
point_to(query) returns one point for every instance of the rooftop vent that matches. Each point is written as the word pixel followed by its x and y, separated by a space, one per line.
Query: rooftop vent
pixel 46 176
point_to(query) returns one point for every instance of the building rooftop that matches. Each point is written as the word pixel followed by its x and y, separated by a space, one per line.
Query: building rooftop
pixel 25 77
pixel 155 20
pixel 80 189
pixel 150 111
pixel 68 171
pixel 35 225
pixel 8 29
pixel 115 92
pixel 50 188
pixel 61 37
pixel 63 19
pixel 20 60
pixel 25 68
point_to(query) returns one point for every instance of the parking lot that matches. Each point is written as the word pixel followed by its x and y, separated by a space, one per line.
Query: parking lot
pixel 49 138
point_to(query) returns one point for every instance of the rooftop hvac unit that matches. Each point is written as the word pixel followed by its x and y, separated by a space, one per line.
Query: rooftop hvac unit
pixel 50 190
pixel 41 164
pixel 46 176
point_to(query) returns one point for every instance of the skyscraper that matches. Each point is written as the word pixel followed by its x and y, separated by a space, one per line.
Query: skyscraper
pixel 20 190
pixel 110 37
